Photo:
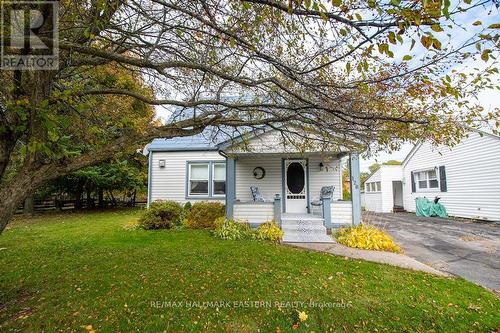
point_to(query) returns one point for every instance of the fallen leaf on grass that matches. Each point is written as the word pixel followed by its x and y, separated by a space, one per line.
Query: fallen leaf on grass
pixel 89 328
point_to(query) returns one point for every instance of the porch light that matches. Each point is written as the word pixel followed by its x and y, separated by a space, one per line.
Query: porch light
pixel 162 163
pixel 321 166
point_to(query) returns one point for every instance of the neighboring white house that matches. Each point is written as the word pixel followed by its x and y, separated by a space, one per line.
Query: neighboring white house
pixel 289 180
pixel 384 189
pixel 466 177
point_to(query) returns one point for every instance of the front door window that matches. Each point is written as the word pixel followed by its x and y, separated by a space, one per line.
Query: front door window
pixel 296 186
pixel 295 179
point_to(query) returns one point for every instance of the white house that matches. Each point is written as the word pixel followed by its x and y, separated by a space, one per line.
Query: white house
pixel 466 177
pixel 384 189
pixel 288 180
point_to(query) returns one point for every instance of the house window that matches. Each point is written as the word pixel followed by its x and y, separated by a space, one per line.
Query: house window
pixel 198 178
pixel 219 179
pixel 206 179
pixel 373 187
pixel 427 179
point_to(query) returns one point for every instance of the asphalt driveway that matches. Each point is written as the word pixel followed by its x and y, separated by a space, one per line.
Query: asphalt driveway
pixel 460 247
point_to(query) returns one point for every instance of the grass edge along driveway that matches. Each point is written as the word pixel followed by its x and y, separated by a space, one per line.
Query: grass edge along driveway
pixel 64 272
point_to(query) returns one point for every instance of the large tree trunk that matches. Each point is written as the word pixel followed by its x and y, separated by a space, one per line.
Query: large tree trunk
pixel 13 193
pixel 79 194
pixel 8 206
pixel 7 143
pixel 100 198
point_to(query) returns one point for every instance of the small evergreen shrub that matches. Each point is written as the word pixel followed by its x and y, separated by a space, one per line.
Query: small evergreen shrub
pixel 366 237
pixel 269 231
pixel 161 215
pixel 232 230
pixel 203 214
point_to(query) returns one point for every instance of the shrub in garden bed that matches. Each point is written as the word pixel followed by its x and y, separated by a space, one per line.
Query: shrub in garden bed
pixel 234 230
pixel 231 229
pixel 202 215
pixel 366 237
pixel 161 215
pixel 185 210
pixel 269 231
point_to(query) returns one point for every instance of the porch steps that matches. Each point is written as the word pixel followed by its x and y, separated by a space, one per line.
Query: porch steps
pixel 398 209
pixel 304 229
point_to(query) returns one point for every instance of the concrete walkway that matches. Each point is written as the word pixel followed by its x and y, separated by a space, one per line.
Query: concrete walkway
pixel 394 259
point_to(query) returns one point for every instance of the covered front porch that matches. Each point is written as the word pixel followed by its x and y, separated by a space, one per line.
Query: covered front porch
pixel 286 188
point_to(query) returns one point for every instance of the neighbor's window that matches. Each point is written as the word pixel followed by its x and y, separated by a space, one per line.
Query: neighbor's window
pixel 373 187
pixel 198 178
pixel 426 179
pixel 219 179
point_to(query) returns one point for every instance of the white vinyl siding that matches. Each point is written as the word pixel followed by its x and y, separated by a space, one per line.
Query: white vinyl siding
pixel 274 142
pixel 330 176
pixel 341 212
pixel 169 183
pixel 268 186
pixel 254 213
pixel 472 176
pixel 378 195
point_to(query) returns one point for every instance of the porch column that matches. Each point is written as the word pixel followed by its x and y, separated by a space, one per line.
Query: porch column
pixel 326 206
pixel 277 209
pixel 230 186
pixel 355 188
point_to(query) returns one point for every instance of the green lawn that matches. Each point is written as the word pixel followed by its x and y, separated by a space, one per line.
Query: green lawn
pixel 64 272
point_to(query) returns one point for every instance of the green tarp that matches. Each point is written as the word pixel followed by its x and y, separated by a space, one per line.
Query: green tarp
pixel 426 207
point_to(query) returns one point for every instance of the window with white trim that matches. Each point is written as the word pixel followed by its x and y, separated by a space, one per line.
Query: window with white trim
pixel 218 179
pixel 426 180
pixel 206 179
pixel 373 187
pixel 198 179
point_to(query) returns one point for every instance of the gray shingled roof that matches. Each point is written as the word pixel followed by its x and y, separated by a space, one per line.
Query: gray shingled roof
pixel 195 142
